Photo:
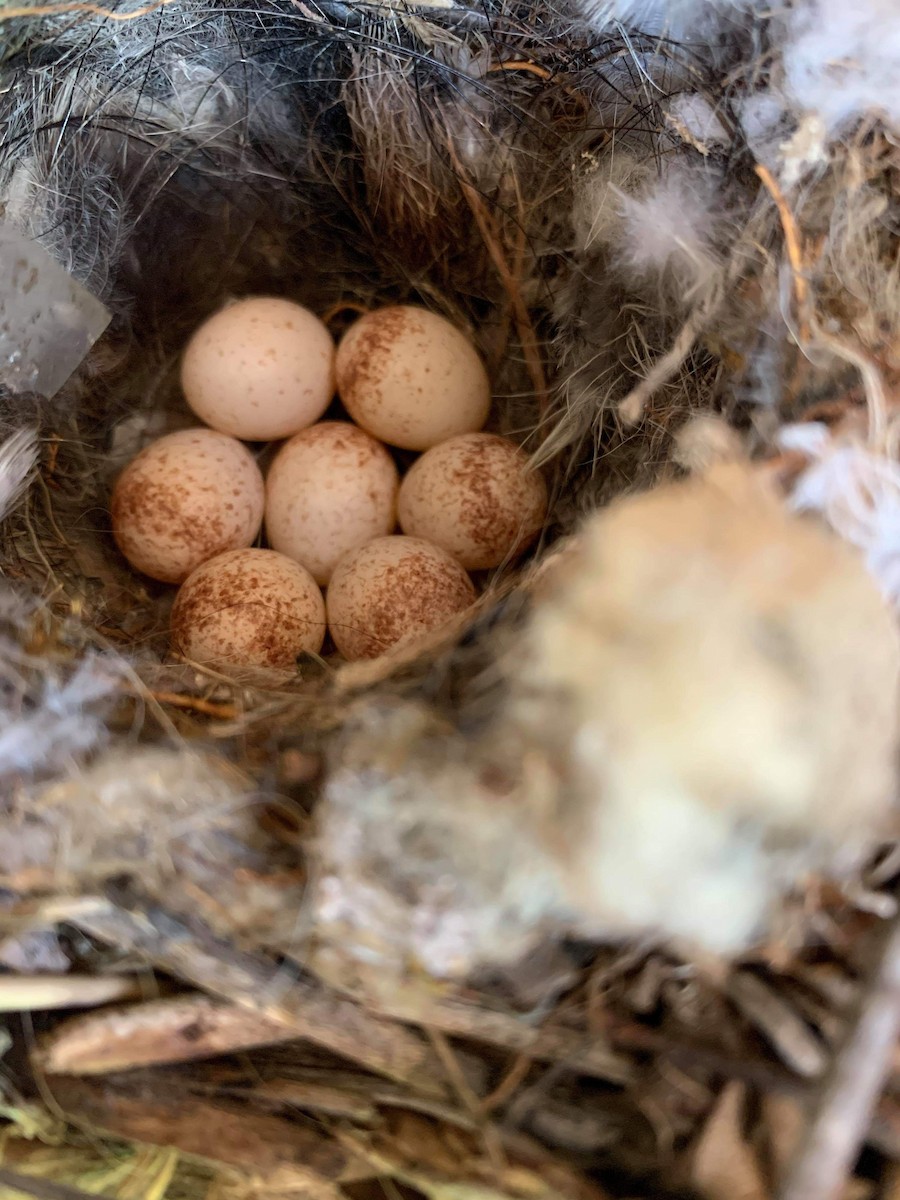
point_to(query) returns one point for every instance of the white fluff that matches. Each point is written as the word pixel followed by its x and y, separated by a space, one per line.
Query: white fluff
pixel 680 20
pixel 858 493
pixel 842 60
pixel 668 231
pixel 18 455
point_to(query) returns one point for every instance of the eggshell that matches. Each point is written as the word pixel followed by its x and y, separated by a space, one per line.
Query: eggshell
pixel 330 489
pixel 411 378
pixel 248 609
pixel 184 499
pixel 476 497
pixel 392 590
pixel 259 369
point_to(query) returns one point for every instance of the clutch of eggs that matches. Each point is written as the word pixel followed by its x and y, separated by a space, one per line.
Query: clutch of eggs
pixel 189 507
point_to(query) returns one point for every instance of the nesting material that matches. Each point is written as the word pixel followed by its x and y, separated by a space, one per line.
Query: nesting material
pixel 248 608
pixel 393 590
pixel 411 378
pixel 702 660
pixel 476 497
pixel 495 883
pixel 260 369
pixel 330 489
pixel 185 498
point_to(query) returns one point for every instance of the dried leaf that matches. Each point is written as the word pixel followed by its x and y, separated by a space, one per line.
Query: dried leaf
pixel 724 1165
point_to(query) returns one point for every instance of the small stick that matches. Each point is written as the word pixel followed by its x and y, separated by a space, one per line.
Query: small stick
pixel 839 1123
pixel 468 1098
pixel 521 65
pixel 26 993
pixel 792 245
pixel 209 708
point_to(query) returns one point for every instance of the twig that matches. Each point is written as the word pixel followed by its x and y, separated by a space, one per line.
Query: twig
pixel 792 245
pixel 838 1125
pixel 521 65
pixel 39 993
pixel 509 1084
pixel 209 708
pixel 468 1098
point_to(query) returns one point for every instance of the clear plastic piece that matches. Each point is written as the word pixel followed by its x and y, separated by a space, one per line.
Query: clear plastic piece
pixel 48 322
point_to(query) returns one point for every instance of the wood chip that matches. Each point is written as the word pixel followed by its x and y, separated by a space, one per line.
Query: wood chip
pixel 778 1023
pixel 179 1029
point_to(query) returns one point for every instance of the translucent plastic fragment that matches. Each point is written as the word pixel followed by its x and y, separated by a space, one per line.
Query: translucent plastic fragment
pixel 48 322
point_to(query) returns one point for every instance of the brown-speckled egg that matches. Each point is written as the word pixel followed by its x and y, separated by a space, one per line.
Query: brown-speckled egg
pixel 476 497
pixel 411 378
pixel 259 369
pixel 393 590
pixel 330 489
pixel 184 499
pixel 248 609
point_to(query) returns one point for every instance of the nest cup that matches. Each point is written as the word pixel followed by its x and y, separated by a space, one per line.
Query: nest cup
pixel 449 919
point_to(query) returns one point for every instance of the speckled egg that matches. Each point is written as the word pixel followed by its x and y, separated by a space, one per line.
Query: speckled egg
pixel 330 489
pixel 411 378
pixel 248 609
pixel 393 590
pixel 184 499
pixel 259 369
pixel 476 497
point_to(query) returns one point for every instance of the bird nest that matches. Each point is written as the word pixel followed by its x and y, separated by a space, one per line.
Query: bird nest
pixel 593 893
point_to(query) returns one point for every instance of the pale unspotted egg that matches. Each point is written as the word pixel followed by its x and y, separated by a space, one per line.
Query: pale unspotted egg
pixel 477 497
pixel 393 590
pixel 411 378
pixel 185 498
pixel 259 369
pixel 248 609
pixel 330 489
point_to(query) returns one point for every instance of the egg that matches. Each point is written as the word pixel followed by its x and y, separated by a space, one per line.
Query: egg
pixel 477 497
pixel 411 378
pixel 393 590
pixel 185 498
pixel 248 609
pixel 330 489
pixel 259 369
